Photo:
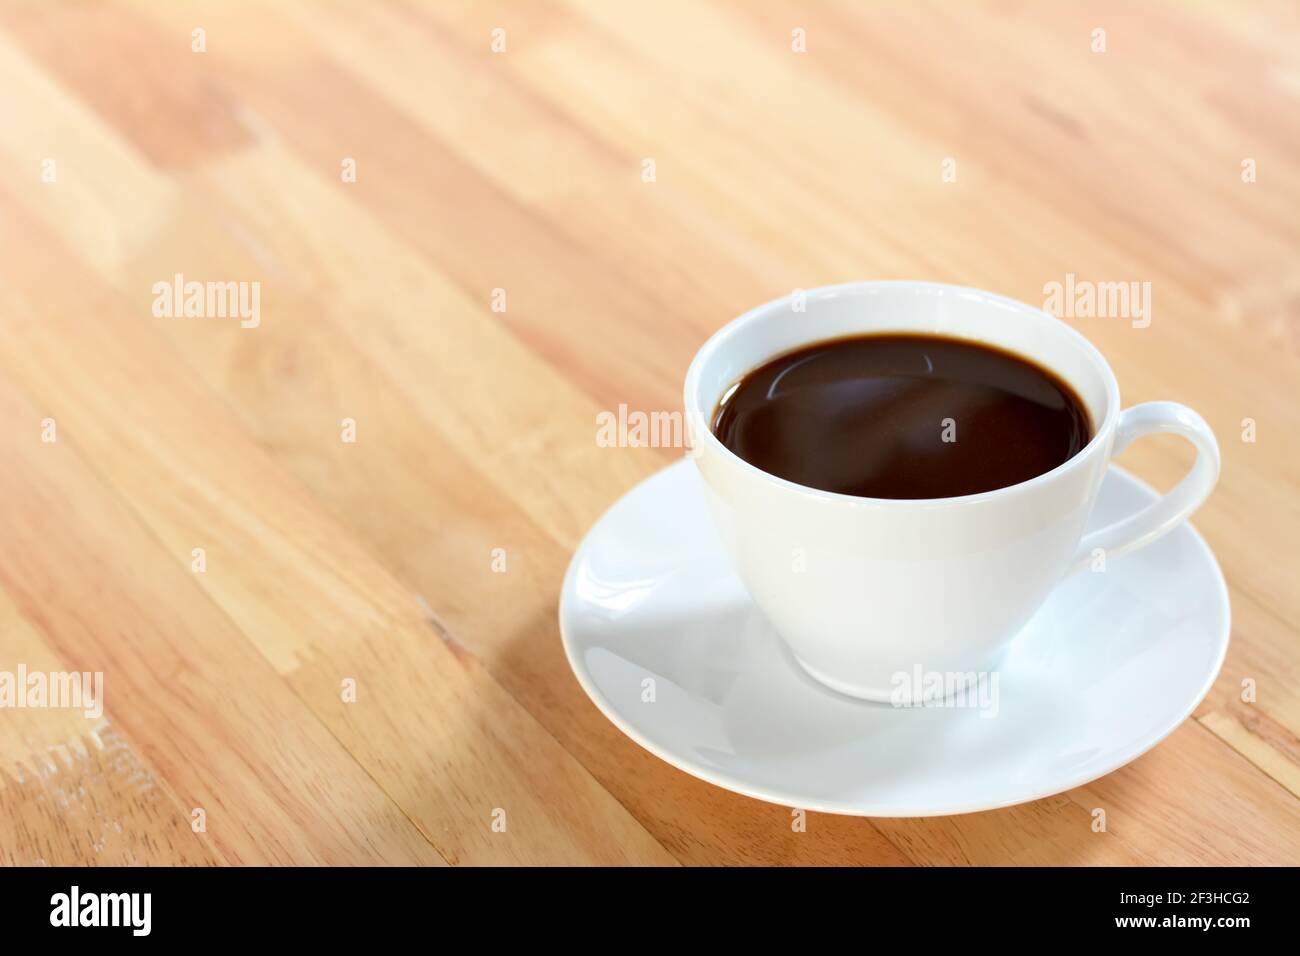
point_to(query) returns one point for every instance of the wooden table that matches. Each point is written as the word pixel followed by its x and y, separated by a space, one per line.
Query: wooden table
pixel 282 542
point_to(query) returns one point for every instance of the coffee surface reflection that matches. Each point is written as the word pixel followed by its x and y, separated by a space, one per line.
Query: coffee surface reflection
pixel 902 416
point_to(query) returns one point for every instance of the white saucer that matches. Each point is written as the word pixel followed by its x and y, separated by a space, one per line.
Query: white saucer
pixel 1108 668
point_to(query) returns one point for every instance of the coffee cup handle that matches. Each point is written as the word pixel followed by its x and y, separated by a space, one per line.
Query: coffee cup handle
pixel 1171 509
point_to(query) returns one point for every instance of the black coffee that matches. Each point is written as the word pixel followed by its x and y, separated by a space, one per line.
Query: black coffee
pixel 902 416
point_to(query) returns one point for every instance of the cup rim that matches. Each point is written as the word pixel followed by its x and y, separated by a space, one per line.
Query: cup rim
pixel 700 429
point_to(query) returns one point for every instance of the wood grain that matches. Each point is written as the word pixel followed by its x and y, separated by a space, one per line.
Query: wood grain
pixel 367 564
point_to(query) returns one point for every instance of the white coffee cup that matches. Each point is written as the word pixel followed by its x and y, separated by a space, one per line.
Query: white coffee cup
pixel 865 589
